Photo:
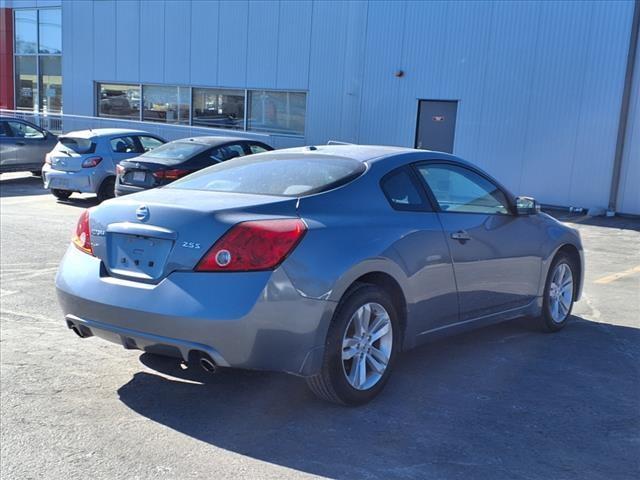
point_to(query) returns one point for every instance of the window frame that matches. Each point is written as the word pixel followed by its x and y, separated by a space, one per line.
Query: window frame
pixel 37 103
pixel 425 206
pixel 434 202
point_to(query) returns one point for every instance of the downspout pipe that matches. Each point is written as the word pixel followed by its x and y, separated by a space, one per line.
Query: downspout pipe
pixel 624 111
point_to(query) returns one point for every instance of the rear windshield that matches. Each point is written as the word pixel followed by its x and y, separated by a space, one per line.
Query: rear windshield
pixel 77 145
pixel 174 152
pixel 290 176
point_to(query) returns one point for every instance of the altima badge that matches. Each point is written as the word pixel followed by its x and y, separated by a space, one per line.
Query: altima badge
pixel 142 213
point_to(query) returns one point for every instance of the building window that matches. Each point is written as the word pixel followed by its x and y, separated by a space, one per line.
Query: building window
pixel 165 104
pixel 27 82
pixel 38 61
pixel 119 101
pixel 218 108
pixel 270 111
pixel 278 112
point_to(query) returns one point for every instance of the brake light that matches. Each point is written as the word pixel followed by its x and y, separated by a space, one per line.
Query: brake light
pixel 91 162
pixel 172 174
pixel 254 245
pixel 82 237
pixel 119 169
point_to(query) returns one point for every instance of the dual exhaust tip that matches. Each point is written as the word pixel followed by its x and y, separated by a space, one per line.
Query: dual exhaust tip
pixel 195 357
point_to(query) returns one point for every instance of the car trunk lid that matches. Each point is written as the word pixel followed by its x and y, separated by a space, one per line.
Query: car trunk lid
pixel 148 235
pixel 70 152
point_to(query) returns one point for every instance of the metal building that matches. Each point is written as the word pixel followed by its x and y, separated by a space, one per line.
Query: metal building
pixel 545 95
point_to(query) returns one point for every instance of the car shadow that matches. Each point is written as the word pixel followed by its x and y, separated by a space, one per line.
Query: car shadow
pixel 502 402
pixel 80 202
pixel 21 186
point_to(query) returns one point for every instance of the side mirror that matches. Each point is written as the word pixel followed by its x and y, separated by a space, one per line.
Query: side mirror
pixel 527 206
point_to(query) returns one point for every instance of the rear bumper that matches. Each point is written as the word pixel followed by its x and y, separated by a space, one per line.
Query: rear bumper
pixel 122 190
pixel 87 180
pixel 254 320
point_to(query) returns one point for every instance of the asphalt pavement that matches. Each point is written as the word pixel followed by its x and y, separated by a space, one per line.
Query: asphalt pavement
pixel 504 402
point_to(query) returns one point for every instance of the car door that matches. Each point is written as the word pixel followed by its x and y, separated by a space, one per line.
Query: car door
pixel 29 145
pixel 122 148
pixel 7 147
pixel 422 253
pixel 495 253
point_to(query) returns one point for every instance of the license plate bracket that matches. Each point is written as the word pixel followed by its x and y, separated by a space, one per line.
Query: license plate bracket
pixel 138 256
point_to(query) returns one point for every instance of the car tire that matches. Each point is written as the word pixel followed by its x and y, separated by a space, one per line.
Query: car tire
pixel 337 381
pixel 61 194
pixel 559 293
pixel 107 189
pixel 36 173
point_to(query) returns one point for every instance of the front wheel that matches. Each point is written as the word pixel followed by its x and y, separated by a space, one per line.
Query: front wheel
pixel 360 350
pixel 559 293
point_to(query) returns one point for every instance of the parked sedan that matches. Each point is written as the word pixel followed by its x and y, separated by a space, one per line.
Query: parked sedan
pixel 23 146
pixel 324 262
pixel 179 158
pixel 85 161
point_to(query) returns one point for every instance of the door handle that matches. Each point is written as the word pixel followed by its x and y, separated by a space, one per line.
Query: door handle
pixel 460 235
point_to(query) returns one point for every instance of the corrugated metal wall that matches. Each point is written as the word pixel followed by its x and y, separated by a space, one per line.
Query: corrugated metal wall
pixel 539 83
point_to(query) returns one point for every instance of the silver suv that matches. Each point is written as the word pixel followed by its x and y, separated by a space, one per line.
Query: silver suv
pixel 85 161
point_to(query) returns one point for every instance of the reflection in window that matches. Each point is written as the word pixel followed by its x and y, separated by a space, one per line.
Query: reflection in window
pixel 50 28
pixel 119 101
pixel 26 83
pixel 281 112
pixel 165 104
pixel 218 108
pixel 26 31
pixel 51 83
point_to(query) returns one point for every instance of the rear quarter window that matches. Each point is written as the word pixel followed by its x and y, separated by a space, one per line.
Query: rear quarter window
pixel 403 191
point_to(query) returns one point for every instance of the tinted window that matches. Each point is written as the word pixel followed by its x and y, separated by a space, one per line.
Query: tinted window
pixel 119 101
pixel 3 130
pixel 256 148
pixel 289 176
pixel 22 130
pixel 175 152
pixel 149 143
pixel 123 145
pixel 458 189
pixel 401 190
pixel 77 145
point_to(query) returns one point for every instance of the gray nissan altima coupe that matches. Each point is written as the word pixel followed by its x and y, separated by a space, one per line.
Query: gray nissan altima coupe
pixel 324 262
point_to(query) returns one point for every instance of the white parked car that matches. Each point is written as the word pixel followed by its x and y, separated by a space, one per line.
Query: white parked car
pixel 85 161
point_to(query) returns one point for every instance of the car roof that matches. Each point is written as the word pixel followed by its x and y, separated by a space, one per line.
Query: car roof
pixel 362 153
pixel 215 140
pixel 105 132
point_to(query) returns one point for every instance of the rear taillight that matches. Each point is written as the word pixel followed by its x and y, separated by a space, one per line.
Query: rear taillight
pixel 119 169
pixel 91 162
pixel 255 245
pixel 172 174
pixel 82 237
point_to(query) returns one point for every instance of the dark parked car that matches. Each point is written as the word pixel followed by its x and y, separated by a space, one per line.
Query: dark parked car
pixel 176 159
pixel 23 146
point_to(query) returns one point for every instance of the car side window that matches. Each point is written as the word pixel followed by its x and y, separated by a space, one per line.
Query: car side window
pixel 123 145
pixel 253 148
pixel 4 130
pixel 402 190
pixel 226 152
pixel 458 189
pixel 22 130
pixel 149 143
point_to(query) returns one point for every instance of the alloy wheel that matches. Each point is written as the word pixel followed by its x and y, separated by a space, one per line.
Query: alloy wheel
pixel 366 346
pixel 561 292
